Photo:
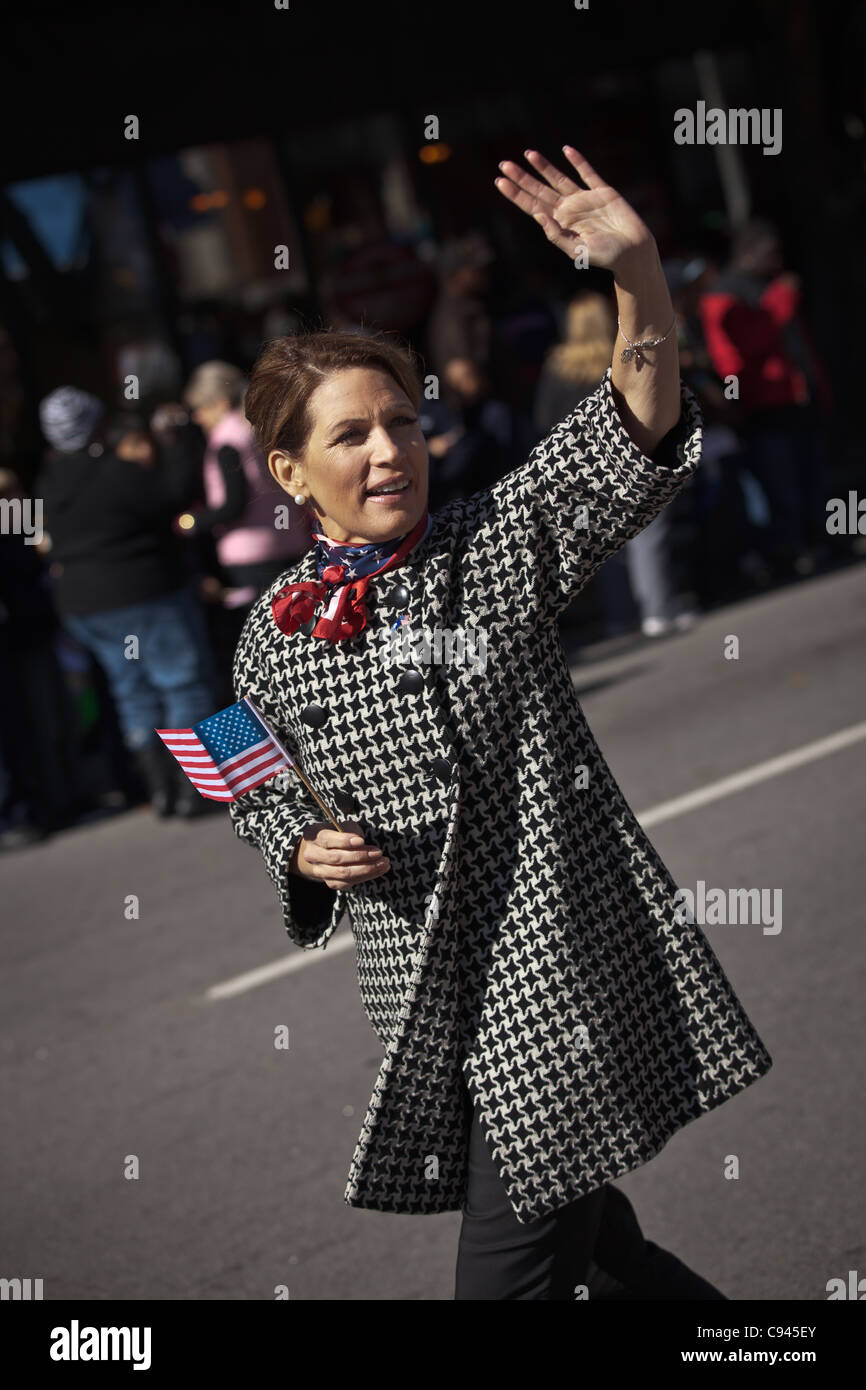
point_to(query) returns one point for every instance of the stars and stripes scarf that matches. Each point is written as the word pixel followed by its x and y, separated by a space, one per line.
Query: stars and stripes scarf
pixel 344 574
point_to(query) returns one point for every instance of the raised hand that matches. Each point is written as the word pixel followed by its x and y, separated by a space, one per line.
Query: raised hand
pixel 595 217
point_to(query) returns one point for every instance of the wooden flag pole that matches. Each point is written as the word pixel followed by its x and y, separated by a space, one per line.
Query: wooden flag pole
pixel 315 795
pixel 294 766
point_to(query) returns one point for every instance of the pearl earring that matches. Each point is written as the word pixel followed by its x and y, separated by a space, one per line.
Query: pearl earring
pixel 300 499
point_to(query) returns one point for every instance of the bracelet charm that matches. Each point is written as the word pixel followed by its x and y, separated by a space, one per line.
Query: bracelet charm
pixel 634 349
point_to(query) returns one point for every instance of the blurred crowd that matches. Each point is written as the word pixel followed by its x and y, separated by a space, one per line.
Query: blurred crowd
pixel 159 514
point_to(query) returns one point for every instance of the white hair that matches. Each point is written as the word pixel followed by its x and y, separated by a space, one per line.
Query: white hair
pixel 213 380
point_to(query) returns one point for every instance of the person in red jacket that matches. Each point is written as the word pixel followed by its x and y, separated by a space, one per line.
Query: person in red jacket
pixel 754 332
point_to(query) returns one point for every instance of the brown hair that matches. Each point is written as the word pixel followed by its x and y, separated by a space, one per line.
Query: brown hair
pixel 288 371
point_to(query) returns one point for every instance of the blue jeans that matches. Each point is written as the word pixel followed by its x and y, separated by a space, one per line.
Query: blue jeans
pixel 170 683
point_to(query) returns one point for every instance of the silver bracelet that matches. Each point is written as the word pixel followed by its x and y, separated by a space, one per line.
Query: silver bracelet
pixel 634 349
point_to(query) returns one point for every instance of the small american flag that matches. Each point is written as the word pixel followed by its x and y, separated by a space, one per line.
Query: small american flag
pixel 228 753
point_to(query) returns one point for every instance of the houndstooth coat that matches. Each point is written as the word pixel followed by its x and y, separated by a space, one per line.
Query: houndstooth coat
pixel 526 934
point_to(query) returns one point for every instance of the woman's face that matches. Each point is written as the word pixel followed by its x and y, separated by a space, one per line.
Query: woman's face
pixel 207 414
pixel 365 436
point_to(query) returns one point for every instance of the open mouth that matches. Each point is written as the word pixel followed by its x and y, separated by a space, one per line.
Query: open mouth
pixel 389 489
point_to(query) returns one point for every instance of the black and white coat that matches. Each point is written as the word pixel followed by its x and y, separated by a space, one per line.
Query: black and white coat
pixel 527 933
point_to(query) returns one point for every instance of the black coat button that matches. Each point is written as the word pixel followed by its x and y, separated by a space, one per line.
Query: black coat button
pixel 314 715
pixel 441 768
pixel 345 802
pixel 399 597
pixel 307 627
pixel 411 683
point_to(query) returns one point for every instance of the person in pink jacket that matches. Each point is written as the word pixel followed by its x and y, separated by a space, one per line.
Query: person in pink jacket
pixel 258 531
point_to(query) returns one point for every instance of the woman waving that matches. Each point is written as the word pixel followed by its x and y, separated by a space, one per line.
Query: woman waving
pixel 547 1021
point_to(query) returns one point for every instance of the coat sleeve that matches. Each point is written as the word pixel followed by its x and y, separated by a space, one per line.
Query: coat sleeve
pixel 534 539
pixel 274 815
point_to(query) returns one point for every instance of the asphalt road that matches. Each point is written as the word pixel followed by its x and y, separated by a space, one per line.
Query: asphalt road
pixel 111 1047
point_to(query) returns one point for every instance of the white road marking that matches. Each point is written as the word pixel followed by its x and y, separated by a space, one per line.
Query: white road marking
pixel 654 815
pixel 263 974
pixel 761 772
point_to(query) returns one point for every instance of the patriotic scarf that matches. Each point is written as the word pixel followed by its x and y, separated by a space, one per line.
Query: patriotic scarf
pixel 344 573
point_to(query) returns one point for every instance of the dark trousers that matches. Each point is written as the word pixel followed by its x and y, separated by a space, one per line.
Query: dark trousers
pixel 786 453
pixel 594 1242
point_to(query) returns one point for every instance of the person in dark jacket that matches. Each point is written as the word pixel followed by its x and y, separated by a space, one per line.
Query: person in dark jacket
pixel 472 438
pixel 755 333
pixel 460 324
pixel 40 786
pixel 512 432
pixel 120 585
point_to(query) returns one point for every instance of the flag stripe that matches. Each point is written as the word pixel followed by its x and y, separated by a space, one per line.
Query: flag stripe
pixel 242 770
pixel 254 781
pixel 263 749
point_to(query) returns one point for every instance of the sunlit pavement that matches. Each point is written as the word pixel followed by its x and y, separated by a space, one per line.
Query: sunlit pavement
pixel 111 1052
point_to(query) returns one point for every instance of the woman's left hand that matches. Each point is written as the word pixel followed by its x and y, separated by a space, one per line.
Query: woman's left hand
pixel 596 217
